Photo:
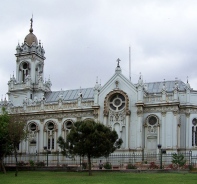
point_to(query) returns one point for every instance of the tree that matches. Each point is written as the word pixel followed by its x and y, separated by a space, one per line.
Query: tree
pixel 17 133
pixel 91 139
pixel 5 144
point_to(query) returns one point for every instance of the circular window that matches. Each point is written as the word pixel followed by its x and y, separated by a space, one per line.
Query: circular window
pixel 194 121
pixel 152 120
pixel 33 127
pixel 50 126
pixel 69 125
pixel 117 102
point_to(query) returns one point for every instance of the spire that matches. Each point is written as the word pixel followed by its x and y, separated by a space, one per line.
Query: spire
pixel 97 86
pixel 188 85
pixel 140 81
pixel 31 25
pixel 164 85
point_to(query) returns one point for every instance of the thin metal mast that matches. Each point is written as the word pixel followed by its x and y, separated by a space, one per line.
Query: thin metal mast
pixel 129 63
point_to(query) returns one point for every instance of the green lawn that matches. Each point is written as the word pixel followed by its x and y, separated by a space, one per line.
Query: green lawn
pixel 31 177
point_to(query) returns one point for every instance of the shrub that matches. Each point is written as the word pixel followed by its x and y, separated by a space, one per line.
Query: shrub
pixel 84 165
pixel 173 166
pixel 107 165
pixel 131 166
pixel 21 163
pixel 178 159
pixel 31 163
pixel 153 166
pixel 40 164
pixel 64 165
pixel 190 167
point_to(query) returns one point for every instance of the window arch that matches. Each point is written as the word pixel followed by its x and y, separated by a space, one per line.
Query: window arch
pixel 50 128
pixel 194 132
pixel 152 122
pixel 33 130
pixel 25 70
pixel 68 124
pixel 116 100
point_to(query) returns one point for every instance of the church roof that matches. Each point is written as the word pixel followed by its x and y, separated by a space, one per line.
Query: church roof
pixel 156 87
pixel 70 95
pixel 88 93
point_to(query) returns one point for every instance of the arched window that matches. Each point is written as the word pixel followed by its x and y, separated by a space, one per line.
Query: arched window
pixel 68 124
pixel 50 130
pixel 25 71
pixel 32 127
pixel 194 132
pixel 152 123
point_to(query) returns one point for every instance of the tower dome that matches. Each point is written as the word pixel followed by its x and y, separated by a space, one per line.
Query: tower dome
pixel 30 38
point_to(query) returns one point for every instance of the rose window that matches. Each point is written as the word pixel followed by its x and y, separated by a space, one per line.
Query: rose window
pixel 152 120
pixel 117 102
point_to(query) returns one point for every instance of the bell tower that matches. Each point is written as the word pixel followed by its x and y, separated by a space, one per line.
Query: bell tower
pixel 28 82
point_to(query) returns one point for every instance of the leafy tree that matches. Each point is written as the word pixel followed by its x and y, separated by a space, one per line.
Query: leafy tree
pixel 17 133
pixel 178 159
pixel 5 144
pixel 91 139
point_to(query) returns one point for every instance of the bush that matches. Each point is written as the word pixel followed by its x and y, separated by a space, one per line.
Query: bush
pixel 21 163
pixel 64 165
pixel 107 165
pixel 84 165
pixel 40 164
pixel 131 166
pixel 31 163
pixel 190 167
pixel 173 166
pixel 178 159
pixel 153 166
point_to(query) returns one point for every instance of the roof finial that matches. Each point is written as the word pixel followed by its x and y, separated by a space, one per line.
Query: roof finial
pixel 118 60
pixel 187 79
pixel 31 26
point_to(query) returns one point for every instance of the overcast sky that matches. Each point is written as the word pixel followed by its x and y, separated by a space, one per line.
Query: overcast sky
pixel 83 38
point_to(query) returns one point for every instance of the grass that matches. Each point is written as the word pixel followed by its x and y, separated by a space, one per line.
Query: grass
pixel 42 177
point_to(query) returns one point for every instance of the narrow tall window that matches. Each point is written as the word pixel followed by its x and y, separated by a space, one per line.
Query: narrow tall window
pixel 50 135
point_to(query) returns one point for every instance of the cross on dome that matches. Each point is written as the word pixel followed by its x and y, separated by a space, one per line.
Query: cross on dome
pixel 118 60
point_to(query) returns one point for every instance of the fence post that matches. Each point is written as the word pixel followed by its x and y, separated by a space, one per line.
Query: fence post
pixel 190 157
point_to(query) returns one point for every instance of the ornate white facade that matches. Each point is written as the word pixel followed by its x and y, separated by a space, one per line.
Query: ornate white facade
pixel 143 114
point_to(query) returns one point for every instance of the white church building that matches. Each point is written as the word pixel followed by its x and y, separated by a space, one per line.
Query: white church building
pixel 143 114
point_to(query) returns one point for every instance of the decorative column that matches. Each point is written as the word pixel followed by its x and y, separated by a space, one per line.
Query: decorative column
pixel 158 134
pixel 174 128
pixel 179 135
pixel 105 114
pixel 139 127
pixel 59 127
pixel 37 141
pixel 127 129
pixel 163 129
pixel 45 138
pixel 187 128
pixel 55 140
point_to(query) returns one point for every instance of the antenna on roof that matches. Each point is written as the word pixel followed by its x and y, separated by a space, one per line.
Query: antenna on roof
pixel 129 63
